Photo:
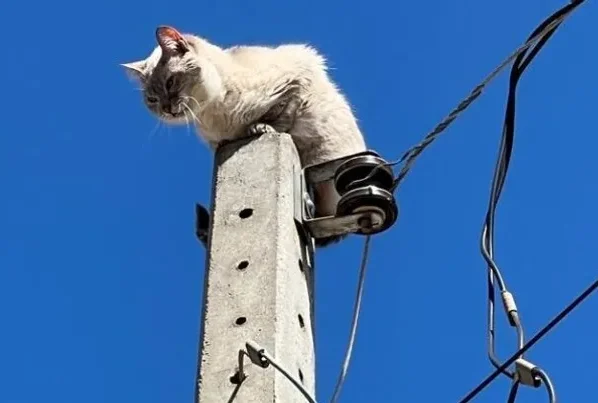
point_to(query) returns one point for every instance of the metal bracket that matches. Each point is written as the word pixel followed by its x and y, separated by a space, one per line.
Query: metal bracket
pixel 256 354
pixel 363 183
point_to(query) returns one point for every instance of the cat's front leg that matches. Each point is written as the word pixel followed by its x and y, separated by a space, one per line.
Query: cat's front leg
pixel 280 118
pixel 253 130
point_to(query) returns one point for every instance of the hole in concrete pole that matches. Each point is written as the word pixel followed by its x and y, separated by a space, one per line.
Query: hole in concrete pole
pixel 301 322
pixel 242 265
pixel 300 376
pixel 240 320
pixel 246 213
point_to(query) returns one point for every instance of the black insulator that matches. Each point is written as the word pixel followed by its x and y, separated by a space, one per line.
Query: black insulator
pixel 370 199
pixel 351 174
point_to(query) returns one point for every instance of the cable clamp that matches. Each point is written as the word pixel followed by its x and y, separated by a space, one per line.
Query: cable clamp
pixel 510 307
pixel 256 354
pixel 526 373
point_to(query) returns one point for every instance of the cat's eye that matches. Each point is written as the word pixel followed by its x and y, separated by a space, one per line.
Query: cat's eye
pixel 152 100
pixel 169 82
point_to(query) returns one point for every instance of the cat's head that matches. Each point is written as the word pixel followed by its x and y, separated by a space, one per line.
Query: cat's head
pixel 173 77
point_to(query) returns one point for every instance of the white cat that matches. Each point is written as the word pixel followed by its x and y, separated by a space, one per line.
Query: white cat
pixel 232 92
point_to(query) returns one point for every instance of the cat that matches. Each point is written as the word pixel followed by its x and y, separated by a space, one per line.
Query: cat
pixel 248 90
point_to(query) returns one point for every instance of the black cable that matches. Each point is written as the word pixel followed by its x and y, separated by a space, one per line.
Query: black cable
pixel 411 155
pixel 408 158
pixel 546 29
pixel 555 321
pixel 536 40
pixel 513 391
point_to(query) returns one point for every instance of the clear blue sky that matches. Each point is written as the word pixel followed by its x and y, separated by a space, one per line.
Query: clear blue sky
pixel 100 274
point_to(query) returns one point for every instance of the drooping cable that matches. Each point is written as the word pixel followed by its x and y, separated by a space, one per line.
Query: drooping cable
pixel 547 383
pixel 261 358
pixel 283 371
pixel 355 321
pixel 537 337
pixel 543 32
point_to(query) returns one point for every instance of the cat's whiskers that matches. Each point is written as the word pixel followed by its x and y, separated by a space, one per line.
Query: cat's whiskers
pixel 155 129
pixel 169 132
pixel 152 133
pixel 185 97
pixel 191 112
pixel 187 123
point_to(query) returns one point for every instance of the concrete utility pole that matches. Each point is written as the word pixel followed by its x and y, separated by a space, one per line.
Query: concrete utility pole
pixel 259 284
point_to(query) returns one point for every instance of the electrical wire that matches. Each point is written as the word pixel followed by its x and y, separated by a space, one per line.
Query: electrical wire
pixel 540 377
pixel 263 359
pixel 545 31
pixel 547 383
pixel 538 39
pixel 357 308
pixel 537 337
pixel 411 155
pixel 280 369
pixel 513 391
pixel 240 376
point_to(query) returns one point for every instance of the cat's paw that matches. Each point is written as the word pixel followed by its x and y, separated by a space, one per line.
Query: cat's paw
pixel 257 129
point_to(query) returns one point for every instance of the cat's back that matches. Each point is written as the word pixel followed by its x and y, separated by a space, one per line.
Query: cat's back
pixel 300 55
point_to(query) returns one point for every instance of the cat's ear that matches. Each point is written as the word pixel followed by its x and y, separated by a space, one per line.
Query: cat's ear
pixel 171 41
pixel 135 70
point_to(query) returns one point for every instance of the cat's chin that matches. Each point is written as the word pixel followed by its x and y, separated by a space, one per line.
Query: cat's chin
pixel 178 119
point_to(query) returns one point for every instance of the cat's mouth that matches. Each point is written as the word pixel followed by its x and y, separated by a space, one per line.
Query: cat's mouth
pixel 175 113
pixel 175 117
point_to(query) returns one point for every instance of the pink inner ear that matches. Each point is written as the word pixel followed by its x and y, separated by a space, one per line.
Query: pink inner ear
pixel 171 40
pixel 171 33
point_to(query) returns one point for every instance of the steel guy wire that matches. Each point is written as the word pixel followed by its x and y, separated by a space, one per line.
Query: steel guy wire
pixel 537 337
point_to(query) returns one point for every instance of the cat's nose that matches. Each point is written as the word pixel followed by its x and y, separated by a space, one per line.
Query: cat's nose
pixel 167 107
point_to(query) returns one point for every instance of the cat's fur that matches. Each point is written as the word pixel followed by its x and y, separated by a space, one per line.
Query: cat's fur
pixel 226 92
